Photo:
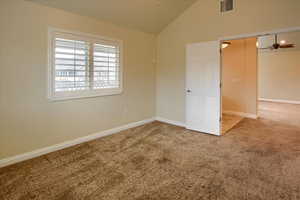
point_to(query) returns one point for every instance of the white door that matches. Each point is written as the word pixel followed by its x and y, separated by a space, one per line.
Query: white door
pixel 203 103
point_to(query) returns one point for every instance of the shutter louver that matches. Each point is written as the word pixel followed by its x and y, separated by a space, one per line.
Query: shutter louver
pixel 71 65
pixel 106 66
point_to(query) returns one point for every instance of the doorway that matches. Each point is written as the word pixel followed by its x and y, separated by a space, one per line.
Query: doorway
pixel 260 78
pixel 239 81
pixel 279 78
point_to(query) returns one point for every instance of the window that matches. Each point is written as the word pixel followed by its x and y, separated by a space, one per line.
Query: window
pixel 82 65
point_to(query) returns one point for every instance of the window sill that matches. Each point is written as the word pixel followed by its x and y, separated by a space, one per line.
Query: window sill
pixel 63 96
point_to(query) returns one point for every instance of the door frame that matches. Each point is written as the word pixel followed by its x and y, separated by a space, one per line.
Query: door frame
pixel 244 36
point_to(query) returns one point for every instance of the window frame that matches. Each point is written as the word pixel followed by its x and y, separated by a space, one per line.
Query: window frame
pixel 65 95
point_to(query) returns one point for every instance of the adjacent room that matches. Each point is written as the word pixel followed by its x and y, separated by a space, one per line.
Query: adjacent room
pixel 278 78
pixel 150 99
pixel 260 79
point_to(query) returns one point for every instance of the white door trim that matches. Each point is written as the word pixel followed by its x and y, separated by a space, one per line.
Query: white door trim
pixel 258 34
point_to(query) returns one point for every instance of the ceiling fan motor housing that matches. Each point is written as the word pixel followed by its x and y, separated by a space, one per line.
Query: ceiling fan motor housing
pixel 276 46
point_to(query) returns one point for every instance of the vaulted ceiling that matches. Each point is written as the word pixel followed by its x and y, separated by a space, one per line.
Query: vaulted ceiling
pixel 146 15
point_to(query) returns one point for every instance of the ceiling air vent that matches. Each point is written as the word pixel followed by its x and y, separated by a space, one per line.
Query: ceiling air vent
pixel 226 5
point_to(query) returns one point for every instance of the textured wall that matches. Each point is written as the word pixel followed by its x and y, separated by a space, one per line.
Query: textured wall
pixel 28 120
pixel 203 22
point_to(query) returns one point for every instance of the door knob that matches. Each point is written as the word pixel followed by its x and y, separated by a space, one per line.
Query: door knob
pixel 189 91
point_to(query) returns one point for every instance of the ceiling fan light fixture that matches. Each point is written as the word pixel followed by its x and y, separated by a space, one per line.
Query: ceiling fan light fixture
pixel 282 41
pixel 278 44
pixel 225 44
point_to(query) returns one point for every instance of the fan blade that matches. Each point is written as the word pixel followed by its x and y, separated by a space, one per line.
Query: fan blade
pixel 285 46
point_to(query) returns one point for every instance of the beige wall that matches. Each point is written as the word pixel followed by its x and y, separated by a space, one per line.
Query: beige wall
pixel 279 75
pixel 203 22
pixel 239 76
pixel 28 120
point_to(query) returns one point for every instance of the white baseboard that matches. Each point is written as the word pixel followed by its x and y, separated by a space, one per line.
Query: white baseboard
pixel 279 101
pixel 242 114
pixel 46 150
pixel 176 123
pixel 181 124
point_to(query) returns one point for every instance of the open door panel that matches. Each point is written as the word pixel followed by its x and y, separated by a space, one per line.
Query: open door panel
pixel 203 103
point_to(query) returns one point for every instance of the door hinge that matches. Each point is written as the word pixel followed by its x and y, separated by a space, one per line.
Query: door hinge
pixel 220 85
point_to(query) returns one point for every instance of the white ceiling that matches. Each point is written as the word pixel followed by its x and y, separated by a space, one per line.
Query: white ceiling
pixel 145 15
pixel 290 38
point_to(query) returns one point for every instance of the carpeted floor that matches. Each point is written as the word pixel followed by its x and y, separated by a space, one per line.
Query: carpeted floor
pixel 229 121
pixel 257 160
pixel 288 114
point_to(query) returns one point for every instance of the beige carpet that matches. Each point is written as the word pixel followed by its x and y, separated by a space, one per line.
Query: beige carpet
pixel 229 121
pixel 258 160
pixel 288 114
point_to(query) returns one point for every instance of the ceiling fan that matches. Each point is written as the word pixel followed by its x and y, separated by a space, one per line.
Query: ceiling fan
pixel 279 45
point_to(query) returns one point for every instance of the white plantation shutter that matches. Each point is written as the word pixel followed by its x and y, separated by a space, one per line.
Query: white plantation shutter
pixel 106 66
pixel 83 66
pixel 71 65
